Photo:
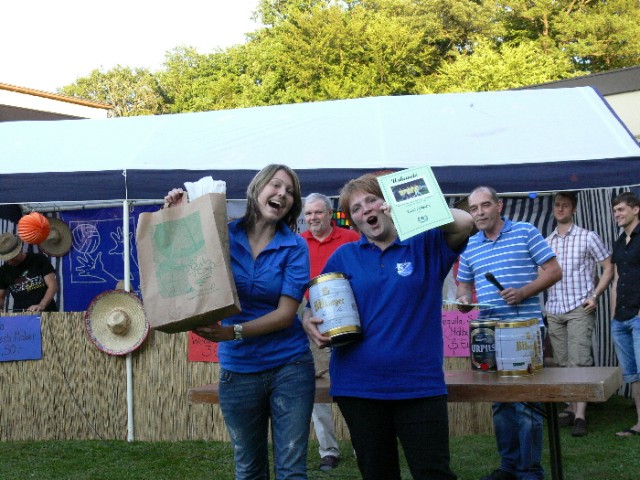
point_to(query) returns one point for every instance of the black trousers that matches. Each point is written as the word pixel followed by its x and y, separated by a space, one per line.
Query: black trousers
pixel 421 425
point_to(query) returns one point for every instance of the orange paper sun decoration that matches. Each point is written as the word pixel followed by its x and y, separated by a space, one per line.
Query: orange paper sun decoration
pixel 33 228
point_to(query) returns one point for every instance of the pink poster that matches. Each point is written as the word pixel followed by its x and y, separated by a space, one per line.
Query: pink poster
pixel 455 329
pixel 201 350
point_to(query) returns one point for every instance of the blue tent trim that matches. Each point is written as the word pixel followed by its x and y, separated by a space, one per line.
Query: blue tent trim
pixel 516 141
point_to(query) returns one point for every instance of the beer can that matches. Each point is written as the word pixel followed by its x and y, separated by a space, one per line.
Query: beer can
pixel 482 345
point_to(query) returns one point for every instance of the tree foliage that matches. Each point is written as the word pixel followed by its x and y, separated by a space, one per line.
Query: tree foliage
pixel 501 68
pixel 311 50
pixel 131 91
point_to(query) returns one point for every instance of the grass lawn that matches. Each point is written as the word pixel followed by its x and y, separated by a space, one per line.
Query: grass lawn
pixel 599 456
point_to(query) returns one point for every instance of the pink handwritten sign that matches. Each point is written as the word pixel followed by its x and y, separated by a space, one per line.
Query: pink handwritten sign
pixel 200 349
pixel 455 329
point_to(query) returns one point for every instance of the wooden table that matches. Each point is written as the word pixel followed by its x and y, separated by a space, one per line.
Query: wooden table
pixel 550 385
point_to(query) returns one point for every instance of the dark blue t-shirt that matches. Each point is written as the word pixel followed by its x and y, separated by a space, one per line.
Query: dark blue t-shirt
pixel 399 296
pixel 26 281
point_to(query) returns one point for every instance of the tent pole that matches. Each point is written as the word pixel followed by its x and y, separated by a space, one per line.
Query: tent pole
pixel 127 287
pixel 45 207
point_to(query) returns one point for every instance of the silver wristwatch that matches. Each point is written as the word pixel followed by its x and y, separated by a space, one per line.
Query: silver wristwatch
pixel 237 332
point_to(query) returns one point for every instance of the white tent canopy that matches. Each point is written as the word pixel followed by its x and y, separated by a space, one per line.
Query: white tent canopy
pixel 517 141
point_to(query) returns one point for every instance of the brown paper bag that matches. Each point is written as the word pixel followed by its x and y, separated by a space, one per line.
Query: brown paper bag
pixel 185 274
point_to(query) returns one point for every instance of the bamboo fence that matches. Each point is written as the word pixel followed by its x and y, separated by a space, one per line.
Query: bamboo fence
pixel 78 392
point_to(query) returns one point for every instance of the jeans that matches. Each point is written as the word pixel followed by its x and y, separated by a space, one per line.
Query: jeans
pixel 626 338
pixel 284 394
pixel 421 425
pixel 519 438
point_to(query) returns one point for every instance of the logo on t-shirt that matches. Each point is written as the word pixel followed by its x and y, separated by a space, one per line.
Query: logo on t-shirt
pixel 404 269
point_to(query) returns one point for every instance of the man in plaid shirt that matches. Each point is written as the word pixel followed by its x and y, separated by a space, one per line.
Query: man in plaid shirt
pixel 572 302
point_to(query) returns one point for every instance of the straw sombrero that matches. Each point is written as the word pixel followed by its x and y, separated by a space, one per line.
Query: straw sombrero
pixel 115 322
pixel 10 246
pixel 58 243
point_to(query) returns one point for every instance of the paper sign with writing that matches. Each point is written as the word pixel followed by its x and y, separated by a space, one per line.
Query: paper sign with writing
pixel 200 349
pixel 455 330
pixel 20 338
pixel 416 201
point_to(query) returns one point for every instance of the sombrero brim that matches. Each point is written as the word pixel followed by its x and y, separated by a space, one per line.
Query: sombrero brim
pixel 58 243
pixel 98 331
pixel 13 253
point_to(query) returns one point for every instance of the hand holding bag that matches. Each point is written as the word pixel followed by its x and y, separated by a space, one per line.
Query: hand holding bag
pixel 185 267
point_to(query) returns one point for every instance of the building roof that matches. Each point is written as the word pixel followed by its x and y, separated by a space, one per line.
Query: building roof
pixel 612 82
pixel 21 103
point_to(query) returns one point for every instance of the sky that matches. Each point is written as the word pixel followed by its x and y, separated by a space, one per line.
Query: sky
pixel 47 44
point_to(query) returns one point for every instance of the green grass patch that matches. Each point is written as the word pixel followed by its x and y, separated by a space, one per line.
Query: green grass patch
pixel 598 456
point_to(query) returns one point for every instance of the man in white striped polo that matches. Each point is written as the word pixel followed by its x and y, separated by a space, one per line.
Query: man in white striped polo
pixel 571 303
pixel 523 265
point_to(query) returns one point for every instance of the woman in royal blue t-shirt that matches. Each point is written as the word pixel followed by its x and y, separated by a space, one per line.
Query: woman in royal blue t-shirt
pixel 266 366
pixel 390 384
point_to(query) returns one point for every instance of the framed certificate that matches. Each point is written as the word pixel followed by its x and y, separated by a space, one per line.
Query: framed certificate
pixel 416 201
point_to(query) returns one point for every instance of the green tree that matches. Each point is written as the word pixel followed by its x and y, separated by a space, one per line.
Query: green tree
pixel 131 91
pixel 193 82
pixel 320 50
pixel 502 68
pixel 310 50
pixel 542 41
pixel 602 35
pixel 595 35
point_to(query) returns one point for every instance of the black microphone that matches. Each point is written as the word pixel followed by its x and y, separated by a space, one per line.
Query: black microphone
pixel 491 277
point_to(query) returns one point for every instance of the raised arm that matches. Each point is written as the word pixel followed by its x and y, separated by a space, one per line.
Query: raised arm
pixel 457 231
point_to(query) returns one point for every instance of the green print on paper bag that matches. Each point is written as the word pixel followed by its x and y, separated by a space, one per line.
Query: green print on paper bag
pixel 180 255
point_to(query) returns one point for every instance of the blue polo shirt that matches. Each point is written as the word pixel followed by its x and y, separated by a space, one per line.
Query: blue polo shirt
pixel 282 268
pixel 514 258
pixel 399 296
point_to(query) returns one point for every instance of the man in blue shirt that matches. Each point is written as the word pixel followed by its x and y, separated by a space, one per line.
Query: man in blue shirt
pixel 524 264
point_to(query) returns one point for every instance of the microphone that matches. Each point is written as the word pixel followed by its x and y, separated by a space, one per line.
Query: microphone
pixel 491 277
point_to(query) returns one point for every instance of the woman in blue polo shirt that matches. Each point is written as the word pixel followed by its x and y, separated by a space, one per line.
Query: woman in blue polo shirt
pixel 390 385
pixel 266 367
